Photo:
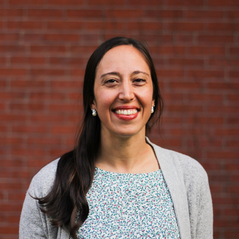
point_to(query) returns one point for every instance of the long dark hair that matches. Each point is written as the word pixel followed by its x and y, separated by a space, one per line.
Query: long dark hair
pixel 66 203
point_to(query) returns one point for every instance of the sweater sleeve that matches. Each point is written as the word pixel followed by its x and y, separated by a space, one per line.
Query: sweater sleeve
pixel 34 223
pixel 199 200
pixel 204 228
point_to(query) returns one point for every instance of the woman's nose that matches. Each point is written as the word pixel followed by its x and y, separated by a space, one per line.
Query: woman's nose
pixel 126 92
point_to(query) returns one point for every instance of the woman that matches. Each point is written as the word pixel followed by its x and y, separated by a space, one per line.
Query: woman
pixel 116 183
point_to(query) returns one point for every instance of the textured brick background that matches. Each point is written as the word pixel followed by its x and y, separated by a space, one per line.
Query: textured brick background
pixel 44 46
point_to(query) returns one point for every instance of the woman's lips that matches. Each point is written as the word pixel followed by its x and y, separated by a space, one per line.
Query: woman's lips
pixel 126 111
pixel 126 114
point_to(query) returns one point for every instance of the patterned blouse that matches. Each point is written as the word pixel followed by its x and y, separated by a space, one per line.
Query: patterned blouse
pixel 129 206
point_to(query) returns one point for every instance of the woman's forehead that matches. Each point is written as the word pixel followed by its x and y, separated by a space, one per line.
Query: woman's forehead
pixel 125 57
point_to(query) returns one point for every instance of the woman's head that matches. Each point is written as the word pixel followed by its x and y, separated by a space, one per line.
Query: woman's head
pixel 91 70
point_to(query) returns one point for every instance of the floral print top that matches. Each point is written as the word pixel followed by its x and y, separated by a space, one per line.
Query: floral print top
pixel 129 206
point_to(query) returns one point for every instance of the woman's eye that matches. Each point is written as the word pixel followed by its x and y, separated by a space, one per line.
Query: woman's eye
pixel 110 82
pixel 140 81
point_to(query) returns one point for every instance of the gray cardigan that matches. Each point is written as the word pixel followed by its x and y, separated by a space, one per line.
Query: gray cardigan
pixel 187 182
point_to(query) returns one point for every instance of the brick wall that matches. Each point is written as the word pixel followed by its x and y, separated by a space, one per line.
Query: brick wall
pixel 44 46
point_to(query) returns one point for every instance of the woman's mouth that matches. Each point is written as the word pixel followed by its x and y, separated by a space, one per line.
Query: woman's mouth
pixel 126 112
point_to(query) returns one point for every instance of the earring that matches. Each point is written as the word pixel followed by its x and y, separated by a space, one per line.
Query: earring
pixel 94 113
pixel 152 109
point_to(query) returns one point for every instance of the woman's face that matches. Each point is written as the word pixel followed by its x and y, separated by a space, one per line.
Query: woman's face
pixel 123 92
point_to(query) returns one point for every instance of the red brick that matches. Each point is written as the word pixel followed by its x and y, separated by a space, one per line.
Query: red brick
pixel 219 26
pixel 222 85
pixel 233 14
pixel 234 74
pixel 170 73
pixel 22 83
pixel 232 234
pixel 233 98
pixel 64 25
pixel 145 26
pixel 28 60
pixel 29 106
pixel 232 143
pixel 46 96
pixel 226 132
pixel 234 51
pixel 47 141
pixel 124 13
pixel 11 140
pixel 12 49
pixel 185 62
pixel 108 2
pixel 206 50
pixel 63 130
pixel 102 25
pixel 10 185
pixel 57 37
pixel 205 120
pixel 30 129
pixel 168 50
pixel 213 39
pixel 10 229
pixel 223 62
pixel 25 25
pixel 45 72
pixel 8 37
pixel 184 108
pixel 13 72
pixel 25 2
pixel 206 73
pixel 33 37
pixel 185 3
pixel 51 13
pixel 85 13
pixel 226 3
pixel 64 61
pixel 8 12
pixel 90 38
pixel 184 85
pixel 2 60
pixel 13 117
pixel 65 84
pixel 162 14
pixel 48 49
pixel 185 26
pixel 65 2
pixel 185 38
pixel 197 14
pixel 64 107
pixel 28 151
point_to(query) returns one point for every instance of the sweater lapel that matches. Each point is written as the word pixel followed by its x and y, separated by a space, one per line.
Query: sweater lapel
pixel 173 176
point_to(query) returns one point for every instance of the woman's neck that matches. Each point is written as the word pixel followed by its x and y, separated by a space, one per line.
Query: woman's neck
pixel 126 154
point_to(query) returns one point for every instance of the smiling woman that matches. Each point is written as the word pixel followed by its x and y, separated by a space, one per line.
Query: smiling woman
pixel 116 183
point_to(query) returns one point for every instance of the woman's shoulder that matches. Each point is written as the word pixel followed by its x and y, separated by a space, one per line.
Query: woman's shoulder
pixel 184 163
pixel 44 179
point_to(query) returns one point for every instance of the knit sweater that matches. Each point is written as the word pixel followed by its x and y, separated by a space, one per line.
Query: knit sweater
pixel 187 182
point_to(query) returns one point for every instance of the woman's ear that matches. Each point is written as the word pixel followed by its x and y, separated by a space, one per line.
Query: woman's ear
pixel 153 103
pixel 93 105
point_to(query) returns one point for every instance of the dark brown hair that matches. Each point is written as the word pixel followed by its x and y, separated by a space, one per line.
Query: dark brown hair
pixel 66 203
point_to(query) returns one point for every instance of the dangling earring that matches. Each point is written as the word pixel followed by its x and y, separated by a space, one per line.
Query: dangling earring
pixel 94 113
pixel 152 109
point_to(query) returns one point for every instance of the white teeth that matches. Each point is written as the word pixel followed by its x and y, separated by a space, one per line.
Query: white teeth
pixel 126 112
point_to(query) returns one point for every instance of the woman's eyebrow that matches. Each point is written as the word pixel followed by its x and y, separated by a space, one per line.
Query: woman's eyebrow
pixel 111 73
pixel 138 72
pixel 118 74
